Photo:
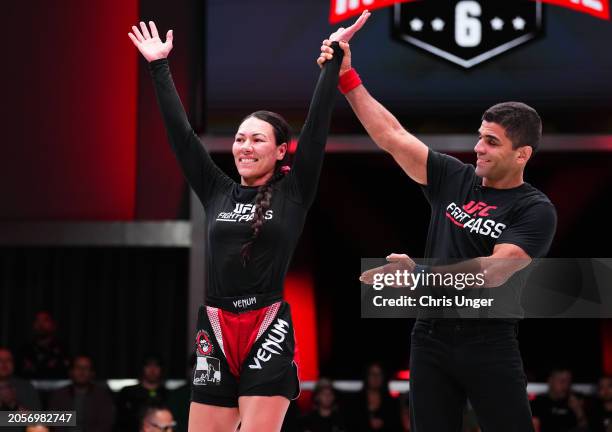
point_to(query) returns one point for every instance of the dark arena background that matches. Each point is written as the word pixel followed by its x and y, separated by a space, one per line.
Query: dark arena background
pixel 102 242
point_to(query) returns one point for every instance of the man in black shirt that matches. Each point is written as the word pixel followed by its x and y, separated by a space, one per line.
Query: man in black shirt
pixel 44 357
pixel 559 410
pixel 93 403
pixel 325 415
pixel 493 221
pixel 600 417
pixel 150 390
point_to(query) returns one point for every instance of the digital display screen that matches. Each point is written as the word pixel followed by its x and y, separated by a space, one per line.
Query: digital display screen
pixel 261 55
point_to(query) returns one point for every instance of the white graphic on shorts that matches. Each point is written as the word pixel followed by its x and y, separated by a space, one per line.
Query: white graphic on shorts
pixel 272 344
pixel 207 371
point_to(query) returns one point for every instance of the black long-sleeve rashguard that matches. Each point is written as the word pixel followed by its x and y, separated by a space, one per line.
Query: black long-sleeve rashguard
pixel 229 206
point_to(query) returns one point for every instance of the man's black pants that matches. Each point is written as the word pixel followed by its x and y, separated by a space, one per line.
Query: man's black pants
pixel 453 360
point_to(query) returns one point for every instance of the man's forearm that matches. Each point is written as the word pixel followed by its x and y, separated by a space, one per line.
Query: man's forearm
pixel 381 125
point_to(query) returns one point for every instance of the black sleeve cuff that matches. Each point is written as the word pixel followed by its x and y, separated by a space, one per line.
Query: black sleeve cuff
pixel 155 64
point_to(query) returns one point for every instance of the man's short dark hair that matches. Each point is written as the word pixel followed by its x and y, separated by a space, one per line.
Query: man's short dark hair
pixel 556 370
pixel 150 409
pixel 522 123
pixel 76 357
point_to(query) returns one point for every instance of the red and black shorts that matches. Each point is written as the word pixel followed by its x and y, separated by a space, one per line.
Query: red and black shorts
pixel 245 346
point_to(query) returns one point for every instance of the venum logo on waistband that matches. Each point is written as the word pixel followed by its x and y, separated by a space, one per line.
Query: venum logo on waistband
pixel 242 303
pixel 272 344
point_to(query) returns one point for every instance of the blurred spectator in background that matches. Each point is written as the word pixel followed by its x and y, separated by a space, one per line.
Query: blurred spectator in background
pixel 25 393
pixel 404 404
pixel 156 418
pixel 8 398
pixel 93 403
pixel 600 418
pixel 373 409
pixel 559 410
pixel 150 391
pixel 180 399
pixel 8 402
pixel 43 357
pixel 325 415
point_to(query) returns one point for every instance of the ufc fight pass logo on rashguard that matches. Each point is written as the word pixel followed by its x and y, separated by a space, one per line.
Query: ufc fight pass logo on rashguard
pixel 242 213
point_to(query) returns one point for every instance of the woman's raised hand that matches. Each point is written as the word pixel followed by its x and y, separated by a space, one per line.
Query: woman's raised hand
pixel 149 44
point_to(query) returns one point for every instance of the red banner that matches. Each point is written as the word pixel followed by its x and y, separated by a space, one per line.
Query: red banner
pixel 344 9
pixel 598 8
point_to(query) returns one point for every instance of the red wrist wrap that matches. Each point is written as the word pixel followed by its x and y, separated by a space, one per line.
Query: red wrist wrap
pixel 348 81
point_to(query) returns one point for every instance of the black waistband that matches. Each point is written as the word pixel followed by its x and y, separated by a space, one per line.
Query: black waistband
pixel 244 303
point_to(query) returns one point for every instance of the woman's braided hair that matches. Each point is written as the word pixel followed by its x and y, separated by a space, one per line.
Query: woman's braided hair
pixel 263 199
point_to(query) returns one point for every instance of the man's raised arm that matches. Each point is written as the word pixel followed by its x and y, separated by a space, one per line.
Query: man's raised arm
pixel 382 126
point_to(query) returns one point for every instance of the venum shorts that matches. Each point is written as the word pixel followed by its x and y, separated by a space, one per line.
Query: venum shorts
pixel 245 346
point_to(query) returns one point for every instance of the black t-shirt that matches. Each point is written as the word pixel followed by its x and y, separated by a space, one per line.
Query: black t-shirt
pixel 468 219
pixel 44 361
pixel 229 206
pixel 554 415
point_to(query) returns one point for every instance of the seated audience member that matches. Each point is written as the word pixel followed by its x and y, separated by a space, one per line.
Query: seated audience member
pixel 179 399
pixel 559 410
pixel 373 409
pixel 404 404
pixel 600 417
pixel 95 410
pixel 325 416
pixel 8 398
pixel 43 357
pixel 25 393
pixel 156 418
pixel 150 390
pixel 8 402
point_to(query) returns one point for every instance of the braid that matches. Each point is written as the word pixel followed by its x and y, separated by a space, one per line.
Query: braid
pixel 262 204
pixel 282 134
